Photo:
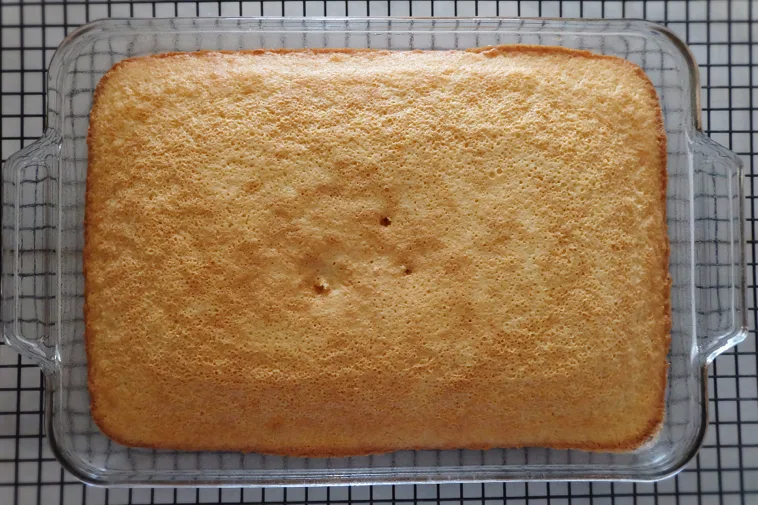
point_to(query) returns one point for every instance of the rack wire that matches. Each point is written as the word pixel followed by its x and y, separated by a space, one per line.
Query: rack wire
pixel 720 35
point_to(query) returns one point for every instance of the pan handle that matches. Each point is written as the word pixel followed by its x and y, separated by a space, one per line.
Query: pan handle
pixel 29 250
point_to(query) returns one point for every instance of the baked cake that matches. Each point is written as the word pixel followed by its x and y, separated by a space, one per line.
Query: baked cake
pixel 343 252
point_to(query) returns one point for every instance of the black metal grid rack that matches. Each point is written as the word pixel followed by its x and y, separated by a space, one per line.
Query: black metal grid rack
pixel 721 35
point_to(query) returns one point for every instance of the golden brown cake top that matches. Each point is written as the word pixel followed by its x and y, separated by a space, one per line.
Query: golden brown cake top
pixel 344 252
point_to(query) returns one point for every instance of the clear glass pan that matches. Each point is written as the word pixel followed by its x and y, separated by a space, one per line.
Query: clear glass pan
pixel 42 282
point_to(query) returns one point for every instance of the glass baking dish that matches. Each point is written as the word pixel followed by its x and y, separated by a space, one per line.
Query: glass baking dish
pixel 42 281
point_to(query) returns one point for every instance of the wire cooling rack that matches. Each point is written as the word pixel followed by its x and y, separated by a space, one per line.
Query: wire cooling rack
pixel 720 35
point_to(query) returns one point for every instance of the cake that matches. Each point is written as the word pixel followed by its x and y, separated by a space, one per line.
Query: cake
pixel 345 252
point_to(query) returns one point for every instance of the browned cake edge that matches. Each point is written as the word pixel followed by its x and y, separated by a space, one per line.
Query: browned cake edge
pixel 648 433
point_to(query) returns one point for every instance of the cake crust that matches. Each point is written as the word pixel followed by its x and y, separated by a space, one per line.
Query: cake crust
pixel 345 252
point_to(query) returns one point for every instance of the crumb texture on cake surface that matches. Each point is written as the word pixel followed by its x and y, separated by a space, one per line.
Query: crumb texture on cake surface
pixel 346 252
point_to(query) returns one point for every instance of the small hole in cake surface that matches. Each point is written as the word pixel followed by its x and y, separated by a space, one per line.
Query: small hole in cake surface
pixel 321 286
pixel 385 221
